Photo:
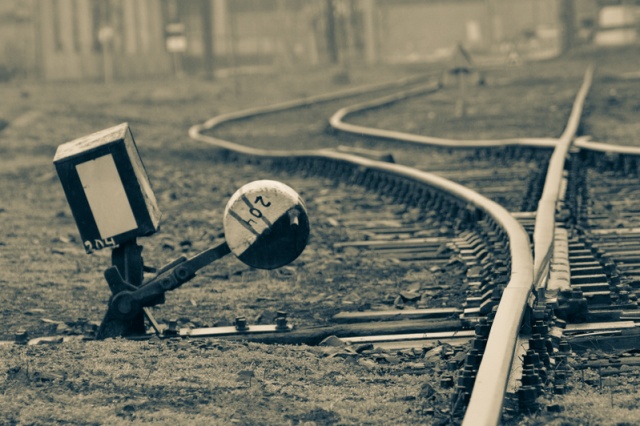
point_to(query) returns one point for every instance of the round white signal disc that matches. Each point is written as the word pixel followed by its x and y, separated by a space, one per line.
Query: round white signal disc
pixel 266 224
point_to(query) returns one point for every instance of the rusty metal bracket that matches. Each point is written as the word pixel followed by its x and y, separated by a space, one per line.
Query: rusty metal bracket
pixel 129 303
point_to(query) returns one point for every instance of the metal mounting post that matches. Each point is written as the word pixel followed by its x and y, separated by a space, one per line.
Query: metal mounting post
pixel 127 258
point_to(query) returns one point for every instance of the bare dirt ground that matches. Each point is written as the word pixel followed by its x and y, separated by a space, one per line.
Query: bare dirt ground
pixel 49 282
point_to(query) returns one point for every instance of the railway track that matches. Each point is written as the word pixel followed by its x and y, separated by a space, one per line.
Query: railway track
pixel 500 344
pixel 536 349
pixel 477 231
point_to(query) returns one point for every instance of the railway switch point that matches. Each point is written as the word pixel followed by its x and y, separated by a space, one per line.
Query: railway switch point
pixel 106 185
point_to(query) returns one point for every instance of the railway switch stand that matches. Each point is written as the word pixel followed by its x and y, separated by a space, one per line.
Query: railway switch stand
pixel 265 222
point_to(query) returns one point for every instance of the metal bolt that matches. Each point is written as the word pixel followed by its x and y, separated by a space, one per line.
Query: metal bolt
pixel 473 358
pixel 624 296
pixel 537 343
pixel 90 331
pixel 560 378
pixel 294 221
pixel 281 321
pixel 559 389
pixel 539 313
pixel 531 358
pixel 609 267
pixel 172 328
pixel 181 273
pixel 561 361
pixel 21 337
pixel 241 324
pixel 482 328
pixel 460 399
pixel 446 381
pixel 527 399
pixel 452 365
pixel 165 283
pixel 540 328
pixel 467 378
pixel 530 378
pixel 479 343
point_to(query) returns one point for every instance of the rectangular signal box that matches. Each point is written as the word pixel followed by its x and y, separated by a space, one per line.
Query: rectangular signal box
pixel 107 188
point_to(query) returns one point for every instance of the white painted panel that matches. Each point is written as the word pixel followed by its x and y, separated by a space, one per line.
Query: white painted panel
pixel 106 195
pixel 252 210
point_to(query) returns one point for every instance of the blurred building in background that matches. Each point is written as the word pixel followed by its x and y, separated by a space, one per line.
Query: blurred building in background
pixel 125 39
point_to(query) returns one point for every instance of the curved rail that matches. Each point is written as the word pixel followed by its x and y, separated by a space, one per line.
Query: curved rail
pixel 310 100
pixel 522 262
pixel 485 405
pixel 584 142
pixel 520 283
pixel 545 216
pixel 488 395
pixel 337 122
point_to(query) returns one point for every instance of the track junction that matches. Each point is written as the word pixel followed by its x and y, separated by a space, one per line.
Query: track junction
pixel 540 246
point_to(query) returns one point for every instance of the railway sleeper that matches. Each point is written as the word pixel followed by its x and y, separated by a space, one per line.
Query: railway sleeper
pixel 591 287
pixel 588 270
pixel 622 253
pixel 578 279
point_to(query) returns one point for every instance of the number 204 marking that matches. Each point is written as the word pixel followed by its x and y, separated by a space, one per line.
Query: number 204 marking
pixel 98 244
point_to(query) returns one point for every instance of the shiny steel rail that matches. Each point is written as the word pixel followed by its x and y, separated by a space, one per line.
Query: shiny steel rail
pixel 488 394
pixel 337 122
pixel 491 381
pixel 485 405
pixel 545 215
pixel 585 142
pixel 519 287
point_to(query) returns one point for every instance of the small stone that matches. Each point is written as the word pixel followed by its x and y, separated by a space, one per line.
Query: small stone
pixel 434 354
pixel 346 353
pixel 367 363
pixel 410 296
pixel 333 341
pixel 427 391
pixel 398 302
pixel 392 359
pixel 555 408
pixel 415 365
pixel 363 347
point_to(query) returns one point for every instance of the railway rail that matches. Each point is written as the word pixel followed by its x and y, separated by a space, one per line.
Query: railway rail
pixel 493 375
pixel 583 264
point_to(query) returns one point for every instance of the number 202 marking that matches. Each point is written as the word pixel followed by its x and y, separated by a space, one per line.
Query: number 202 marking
pixel 261 200
pixel 256 212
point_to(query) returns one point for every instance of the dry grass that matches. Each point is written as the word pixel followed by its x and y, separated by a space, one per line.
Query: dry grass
pixel 46 275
